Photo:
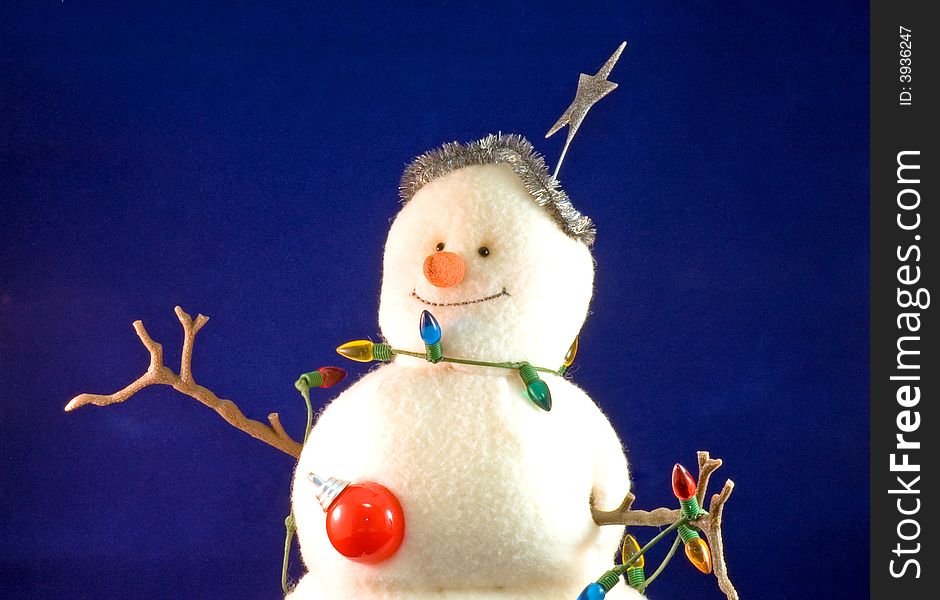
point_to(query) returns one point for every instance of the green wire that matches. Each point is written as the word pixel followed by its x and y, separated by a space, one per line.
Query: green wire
pixel 477 363
pixel 289 523
pixel 621 569
pixel 291 527
pixel 305 392
pixel 662 566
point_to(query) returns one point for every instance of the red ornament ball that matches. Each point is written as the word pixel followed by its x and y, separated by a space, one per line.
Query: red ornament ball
pixel 366 523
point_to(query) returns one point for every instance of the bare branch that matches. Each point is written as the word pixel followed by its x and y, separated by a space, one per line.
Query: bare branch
pixel 713 533
pixel 709 524
pixel 706 466
pixel 190 330
pixel 639 518
pixel 275 421
pixel 184 383
pixel 155 349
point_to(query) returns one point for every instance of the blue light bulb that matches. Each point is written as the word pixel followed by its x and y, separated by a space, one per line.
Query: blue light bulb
pixel 594 591
pixel 430 329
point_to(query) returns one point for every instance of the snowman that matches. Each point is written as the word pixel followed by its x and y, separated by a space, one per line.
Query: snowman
pixel 493 491
pixel 467 467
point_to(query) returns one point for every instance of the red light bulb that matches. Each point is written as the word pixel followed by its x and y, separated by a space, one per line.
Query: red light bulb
pixel 331 376
pixel 683 485
pixel 364 521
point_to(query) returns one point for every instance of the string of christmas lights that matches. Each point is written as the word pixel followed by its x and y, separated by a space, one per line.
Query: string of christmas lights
pixel 364 521
pixel 324 377
pixel 696 549
pixel 348 505
pixel 431 334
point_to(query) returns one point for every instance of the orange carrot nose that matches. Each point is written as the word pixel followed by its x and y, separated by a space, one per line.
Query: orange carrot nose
pixel 444 269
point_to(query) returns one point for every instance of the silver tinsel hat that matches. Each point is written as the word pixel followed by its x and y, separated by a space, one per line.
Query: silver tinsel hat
pixel 515 151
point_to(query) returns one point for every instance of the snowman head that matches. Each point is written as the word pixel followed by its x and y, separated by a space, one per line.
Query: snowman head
pixel 491 246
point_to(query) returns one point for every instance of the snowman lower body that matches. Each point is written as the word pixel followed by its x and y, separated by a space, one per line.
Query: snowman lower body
pixel 310 588
pixel 496 492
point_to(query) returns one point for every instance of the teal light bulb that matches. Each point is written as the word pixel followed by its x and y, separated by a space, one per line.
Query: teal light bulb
pixel 538 392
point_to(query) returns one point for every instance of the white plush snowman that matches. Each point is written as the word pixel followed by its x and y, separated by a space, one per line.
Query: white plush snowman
pixel 496 492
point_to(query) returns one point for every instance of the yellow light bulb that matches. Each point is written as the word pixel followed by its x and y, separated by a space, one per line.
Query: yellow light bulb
pixel 357 350
pixel 631 548
pixel 696 550
pixel 572 352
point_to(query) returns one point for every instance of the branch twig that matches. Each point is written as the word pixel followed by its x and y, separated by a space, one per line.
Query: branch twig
pixel 709 524
pixel 158 374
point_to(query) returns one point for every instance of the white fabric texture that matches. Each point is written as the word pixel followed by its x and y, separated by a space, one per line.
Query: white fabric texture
pixel 496 492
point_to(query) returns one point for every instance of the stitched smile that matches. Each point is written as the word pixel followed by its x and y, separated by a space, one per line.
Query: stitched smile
pixel 414 294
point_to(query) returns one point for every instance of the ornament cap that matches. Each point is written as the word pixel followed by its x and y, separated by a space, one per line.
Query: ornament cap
pixel 327 489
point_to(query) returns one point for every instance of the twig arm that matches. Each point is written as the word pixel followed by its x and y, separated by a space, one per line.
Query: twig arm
pixel 636 518
pixel 157 373
pixel 714 535
pixel 709 523
pixel 706 466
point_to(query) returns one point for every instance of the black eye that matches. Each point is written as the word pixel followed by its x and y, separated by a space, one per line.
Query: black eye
pixel 483 251
pixel 440 246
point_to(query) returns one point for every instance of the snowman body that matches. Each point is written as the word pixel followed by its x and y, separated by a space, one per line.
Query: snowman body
pixel 496 492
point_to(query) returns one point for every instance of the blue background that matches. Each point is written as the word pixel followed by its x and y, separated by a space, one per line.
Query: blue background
pixel 243 162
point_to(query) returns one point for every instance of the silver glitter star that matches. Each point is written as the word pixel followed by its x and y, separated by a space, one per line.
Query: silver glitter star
pixel 591 88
